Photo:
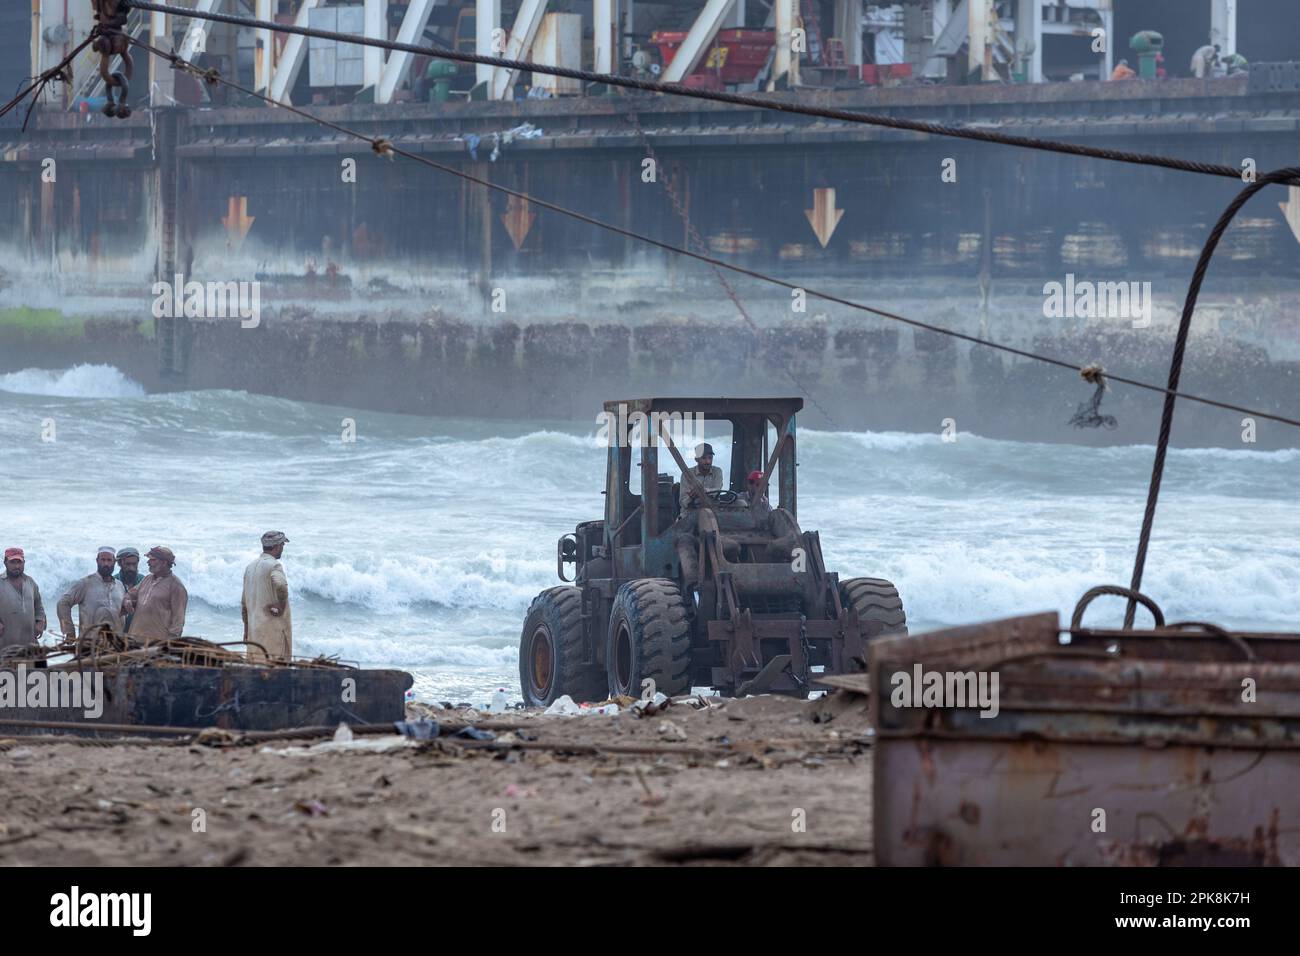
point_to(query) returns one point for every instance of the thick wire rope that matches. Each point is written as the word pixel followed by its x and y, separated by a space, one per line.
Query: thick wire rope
pixel 1176 368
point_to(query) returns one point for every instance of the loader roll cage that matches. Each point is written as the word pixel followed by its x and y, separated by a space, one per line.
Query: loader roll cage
pixel 637 537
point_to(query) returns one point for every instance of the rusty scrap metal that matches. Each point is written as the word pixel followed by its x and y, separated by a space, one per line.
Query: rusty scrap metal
pixel 1108 747
pixel 111 41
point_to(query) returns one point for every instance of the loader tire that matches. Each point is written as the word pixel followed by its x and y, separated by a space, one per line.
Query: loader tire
pixel 649 636
pixel 879 607
pixel 551 652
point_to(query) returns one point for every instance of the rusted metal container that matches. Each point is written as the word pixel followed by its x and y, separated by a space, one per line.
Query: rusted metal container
pixel 1175 746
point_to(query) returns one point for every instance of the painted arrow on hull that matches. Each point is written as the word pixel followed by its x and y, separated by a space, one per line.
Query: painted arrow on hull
pixel 1291 210
pixel 823 216
pixel 518 219
pixel 238 221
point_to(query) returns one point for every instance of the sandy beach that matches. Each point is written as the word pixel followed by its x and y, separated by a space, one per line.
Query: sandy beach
pixel 755 781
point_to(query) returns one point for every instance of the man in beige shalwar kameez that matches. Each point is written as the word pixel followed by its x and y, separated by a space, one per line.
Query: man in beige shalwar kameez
pixel 267 624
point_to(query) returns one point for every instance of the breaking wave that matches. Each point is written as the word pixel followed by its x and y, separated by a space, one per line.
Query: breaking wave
pixel 80 381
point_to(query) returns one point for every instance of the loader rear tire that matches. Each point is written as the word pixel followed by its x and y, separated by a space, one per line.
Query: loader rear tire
pixel 551 651
pixel 649 636
pixel 880 609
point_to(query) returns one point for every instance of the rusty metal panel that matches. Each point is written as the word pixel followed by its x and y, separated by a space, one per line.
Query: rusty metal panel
pixel 1034 803
pixel 1163 747
pixel 235 698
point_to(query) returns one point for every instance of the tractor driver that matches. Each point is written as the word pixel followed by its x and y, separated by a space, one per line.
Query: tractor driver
pixel 707 473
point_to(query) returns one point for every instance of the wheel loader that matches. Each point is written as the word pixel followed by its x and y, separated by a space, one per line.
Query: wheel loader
pixel 679 586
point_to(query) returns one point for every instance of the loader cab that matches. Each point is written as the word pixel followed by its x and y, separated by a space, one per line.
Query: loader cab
pixel 644 480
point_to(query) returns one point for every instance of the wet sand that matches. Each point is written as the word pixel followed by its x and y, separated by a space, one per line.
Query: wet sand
pixel 759 781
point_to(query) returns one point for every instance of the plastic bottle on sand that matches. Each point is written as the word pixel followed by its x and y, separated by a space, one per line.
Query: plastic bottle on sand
pixel 499 703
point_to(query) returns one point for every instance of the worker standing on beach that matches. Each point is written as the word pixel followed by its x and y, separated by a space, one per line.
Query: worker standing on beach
pixel 98 598
pixel 265 607
pixel 22 615
pixel 157 604
pixel 128 560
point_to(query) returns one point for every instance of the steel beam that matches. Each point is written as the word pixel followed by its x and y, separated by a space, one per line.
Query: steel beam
pixel 376 28
pixel 527 20
pixel 487 17
pixel 1029 39
pixel 399 62
pixel 783 11
pixel 198 28
pixel 263 53
pixel 700 37
pixel 292 57
pixel 1223 25
pixel 980 50
pixel 162 82
pixel 1108 24
pixel 848 29
pixel 604 35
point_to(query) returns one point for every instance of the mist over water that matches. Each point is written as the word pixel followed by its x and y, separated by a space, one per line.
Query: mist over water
pixel 420 545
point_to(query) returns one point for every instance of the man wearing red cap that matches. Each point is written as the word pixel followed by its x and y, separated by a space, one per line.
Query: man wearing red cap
pixel 22 615
pixel 757 502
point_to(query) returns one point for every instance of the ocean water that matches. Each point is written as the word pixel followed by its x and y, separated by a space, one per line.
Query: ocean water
pixel 421 544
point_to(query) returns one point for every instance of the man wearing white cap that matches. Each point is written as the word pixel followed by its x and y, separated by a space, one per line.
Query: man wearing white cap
pixel 267 625
pixel 98 598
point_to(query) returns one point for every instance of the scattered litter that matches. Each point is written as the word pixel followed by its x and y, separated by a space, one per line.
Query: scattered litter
pixel 343 735
pixel 363 745
pixel 605 710
pixel 670 731
pixel 216 737
pixel 22 753
pixel 500 703
pixel 649 706
pixel 313 808
pixel 422 729
pixel 473 733
pixel 563 707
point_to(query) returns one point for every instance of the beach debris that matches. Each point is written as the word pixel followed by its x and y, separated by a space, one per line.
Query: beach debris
pixel 361 745
pixel 651 798
pixel 473 733
pixel 22 753
pixel 649 706
pixel 216 737
pixel 670 731
pixel 421 729
pixel 343 735
pixel 500 703
pixel 312 808
pixel 563 706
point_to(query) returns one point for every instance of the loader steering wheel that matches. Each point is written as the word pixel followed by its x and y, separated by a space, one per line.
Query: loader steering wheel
pixel 724 496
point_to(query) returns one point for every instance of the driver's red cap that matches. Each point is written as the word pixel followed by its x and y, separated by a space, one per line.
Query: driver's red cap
pixel 755 476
